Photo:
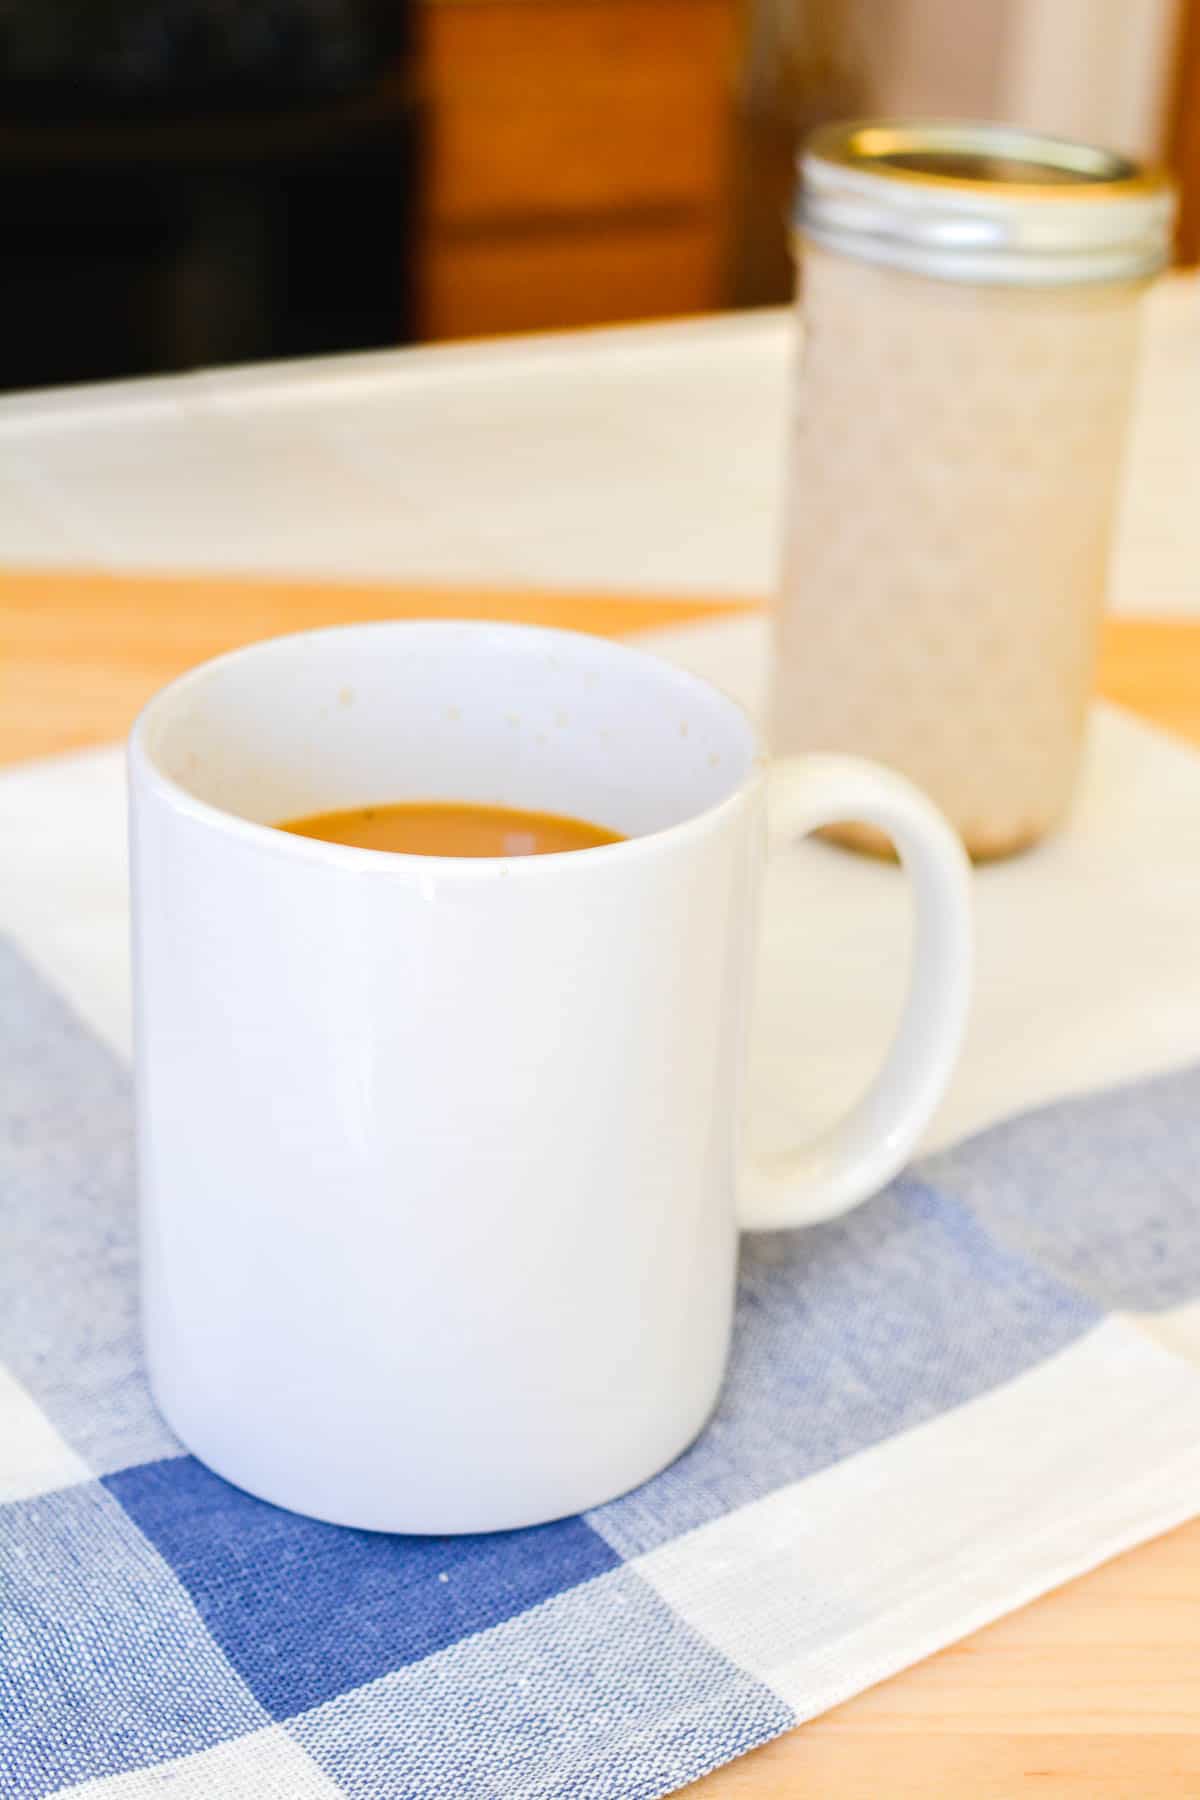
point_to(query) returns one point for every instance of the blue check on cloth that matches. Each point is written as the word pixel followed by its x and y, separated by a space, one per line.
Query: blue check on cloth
pixel 970 1389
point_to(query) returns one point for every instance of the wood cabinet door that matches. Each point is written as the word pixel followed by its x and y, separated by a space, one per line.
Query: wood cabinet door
pixel 576 161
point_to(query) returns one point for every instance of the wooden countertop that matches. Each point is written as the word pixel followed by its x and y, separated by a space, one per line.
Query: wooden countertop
pixel 1093 1691
pixel 80 653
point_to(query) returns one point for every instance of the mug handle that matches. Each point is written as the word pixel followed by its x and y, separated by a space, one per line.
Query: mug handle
pixel 863 1150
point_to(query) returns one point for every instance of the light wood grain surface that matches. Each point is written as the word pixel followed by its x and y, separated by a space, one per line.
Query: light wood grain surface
pixel 80 653
pixel 1092 1692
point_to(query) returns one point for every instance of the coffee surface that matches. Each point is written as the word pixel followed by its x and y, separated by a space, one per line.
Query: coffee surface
pixel 449 828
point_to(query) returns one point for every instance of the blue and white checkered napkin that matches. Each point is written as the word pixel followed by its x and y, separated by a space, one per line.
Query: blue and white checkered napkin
pixel 977 1386
pixel 943 1404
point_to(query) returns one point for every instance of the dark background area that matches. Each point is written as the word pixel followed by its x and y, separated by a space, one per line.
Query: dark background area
pixel 201 181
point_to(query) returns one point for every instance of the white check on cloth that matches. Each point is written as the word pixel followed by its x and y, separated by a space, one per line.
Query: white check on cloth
pixel 969 1390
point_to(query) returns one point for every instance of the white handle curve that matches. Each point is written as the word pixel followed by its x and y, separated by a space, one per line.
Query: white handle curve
pixel 859 1154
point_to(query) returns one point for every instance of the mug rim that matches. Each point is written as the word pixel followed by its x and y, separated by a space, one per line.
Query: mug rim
pixel 144 770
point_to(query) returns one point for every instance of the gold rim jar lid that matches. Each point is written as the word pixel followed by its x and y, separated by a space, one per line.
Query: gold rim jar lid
pixel 983 202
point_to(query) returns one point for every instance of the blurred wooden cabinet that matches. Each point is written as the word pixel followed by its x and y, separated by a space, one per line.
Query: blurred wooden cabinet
pixel 576 157
pixel 1185 131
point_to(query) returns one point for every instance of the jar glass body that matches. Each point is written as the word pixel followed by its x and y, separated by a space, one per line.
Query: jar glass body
pixel 953 477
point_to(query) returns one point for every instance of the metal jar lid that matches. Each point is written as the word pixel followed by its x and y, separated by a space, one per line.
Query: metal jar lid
pixel 983 203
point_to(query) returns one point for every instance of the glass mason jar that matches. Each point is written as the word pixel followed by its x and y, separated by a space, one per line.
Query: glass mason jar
pixel 970 299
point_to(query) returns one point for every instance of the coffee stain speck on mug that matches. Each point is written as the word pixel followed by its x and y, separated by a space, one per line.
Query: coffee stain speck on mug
pixel 346 696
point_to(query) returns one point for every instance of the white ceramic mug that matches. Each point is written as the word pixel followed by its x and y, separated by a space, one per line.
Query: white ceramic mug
pixel 441 1158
